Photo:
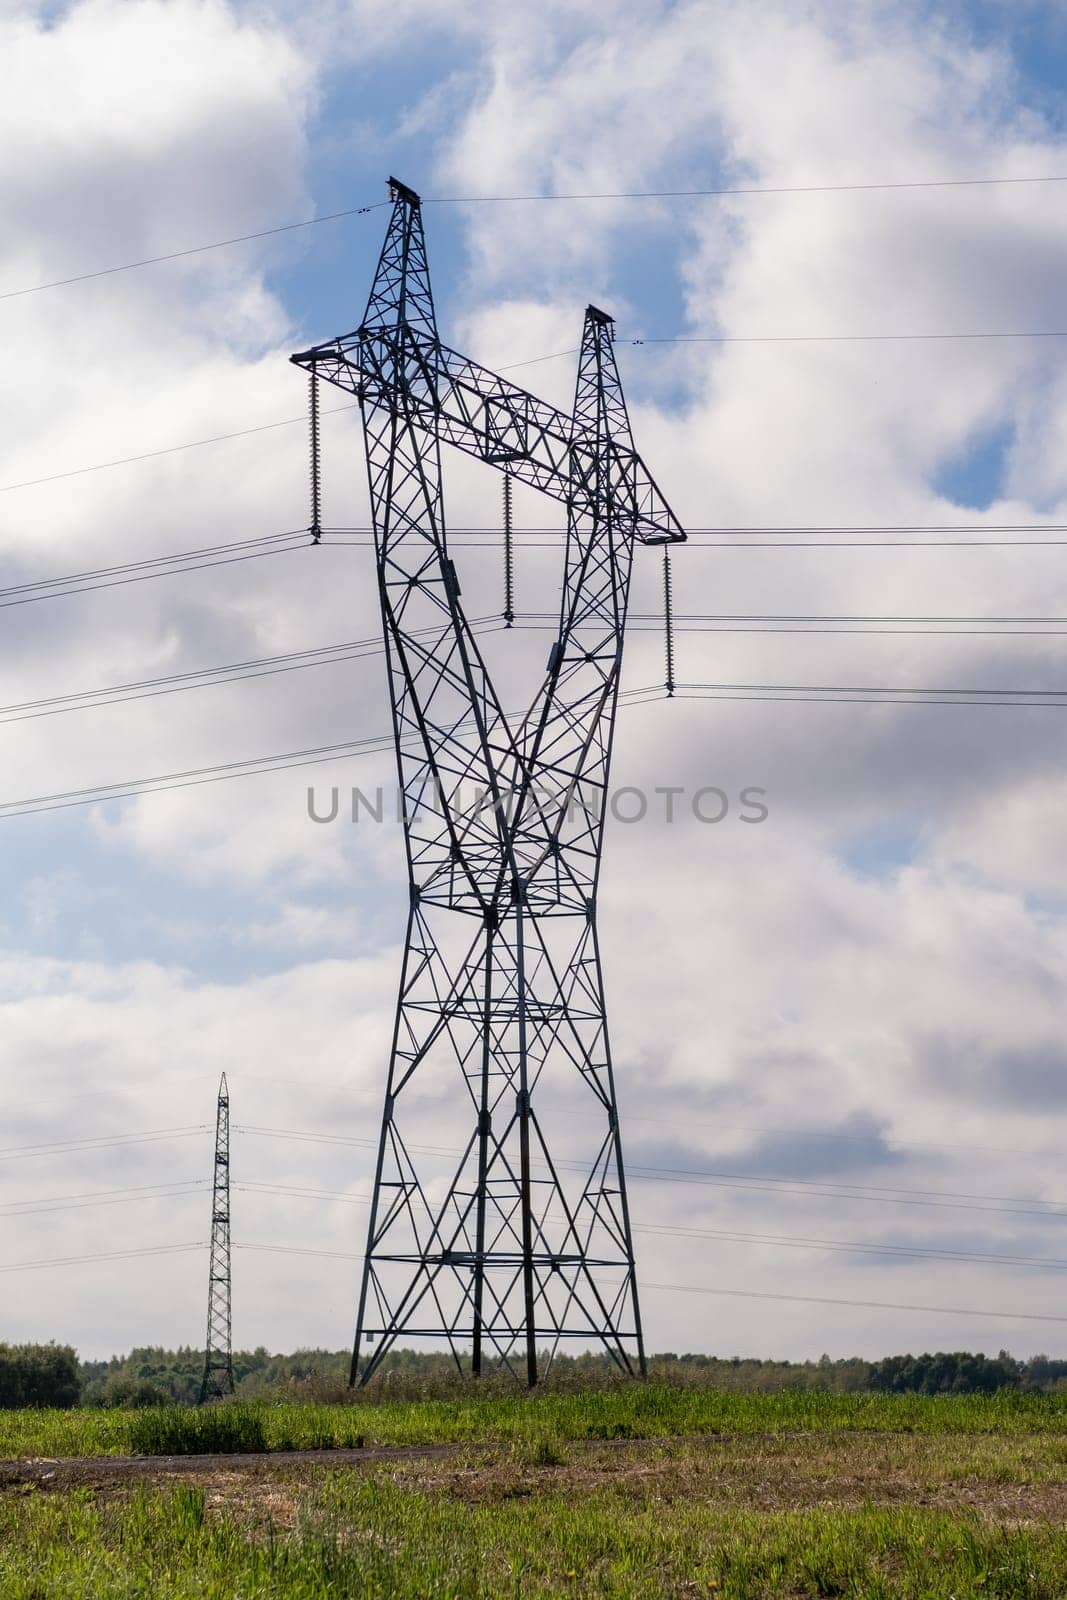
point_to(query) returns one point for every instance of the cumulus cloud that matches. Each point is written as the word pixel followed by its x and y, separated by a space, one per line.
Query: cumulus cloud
pixel 861 989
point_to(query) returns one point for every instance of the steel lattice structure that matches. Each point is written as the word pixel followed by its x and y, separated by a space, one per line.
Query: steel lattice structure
pixel 501 992
pixel 218 1351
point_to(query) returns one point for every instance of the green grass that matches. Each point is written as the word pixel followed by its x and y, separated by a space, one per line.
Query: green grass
pixel 204 1431
pixel 633 1413
pixel 379 1539
pixel 794 1495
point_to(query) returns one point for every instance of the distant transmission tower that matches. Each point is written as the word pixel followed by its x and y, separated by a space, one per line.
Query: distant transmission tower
pixel 525 1240
pixel 218 1352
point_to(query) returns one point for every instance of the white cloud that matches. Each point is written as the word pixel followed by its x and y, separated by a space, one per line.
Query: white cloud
pixel 787 980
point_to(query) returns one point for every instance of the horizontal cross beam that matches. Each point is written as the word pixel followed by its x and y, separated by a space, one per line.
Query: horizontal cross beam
pixel 485 416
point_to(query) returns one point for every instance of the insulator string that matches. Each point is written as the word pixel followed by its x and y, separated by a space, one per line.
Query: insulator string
pixel 316 467
pixel 668 622
pixel 509 556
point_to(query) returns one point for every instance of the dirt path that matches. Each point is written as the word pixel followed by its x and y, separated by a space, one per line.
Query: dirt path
pixel 1010 1482
pixel 71 1471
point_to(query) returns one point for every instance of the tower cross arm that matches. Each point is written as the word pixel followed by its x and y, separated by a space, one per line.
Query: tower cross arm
pixel 482 414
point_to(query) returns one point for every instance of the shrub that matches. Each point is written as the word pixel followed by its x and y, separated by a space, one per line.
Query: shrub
pixel 201 1431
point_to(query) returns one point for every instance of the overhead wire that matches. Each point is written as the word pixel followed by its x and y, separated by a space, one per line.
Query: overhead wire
pixel 194 776
pixel 220 772
pixel 884 1139
pixel 185 1189
pixel 748 189
pixel 887 1141
pixel 728 1235
pixel 155 567
pixel 362 649
pixel 710 539
pixel 864 1305
pixel 105 1255
pixel 848 338
pixel 916 699
pixel 188 1188
pixel 166 450
pixel 209 677
pixel 825 1189
pixel 636 194
pixel 99 1142
pixel 741 1294
pixel 191 250
pixel 343 750
pixel 192 1187
pixel 120 567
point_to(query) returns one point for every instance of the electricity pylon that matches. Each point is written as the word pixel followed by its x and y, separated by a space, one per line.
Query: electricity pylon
pixel 528 1242
pixel 218 1351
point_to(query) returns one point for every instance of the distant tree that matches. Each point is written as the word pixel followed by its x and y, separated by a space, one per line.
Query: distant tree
pixel 119 1389
pixel 39 1375
pixel 1042 1372
pixel 947 1372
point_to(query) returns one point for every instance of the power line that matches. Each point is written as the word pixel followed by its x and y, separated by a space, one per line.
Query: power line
pixel 850 1246
pixel 688 1123
pixel 878 1194
pixel 117 568
pixel 208 677
pixel 191 250
pixel 849 338
pixel 118 575
pixel 221 772
pixel 683 1288
pixel 166 450
pixel 161 567
pixel 193 776
pixel 799 1186
pixel 709 539
pixel 107 1255
pixel 818 1135
pixel 361 649
pixel 316 755
pixel 865 1305
pixel 87 1146
pixel 995 627
pixel 740 1294
pixel 697 692
pixel 855 1246
pixel 186 1188
pixel 740 616
pixel 300 1250
pixel 118 1088
pixel 821 1136
pixel 822 688
pixel 511 199
pixel 695 530
pixel 753 189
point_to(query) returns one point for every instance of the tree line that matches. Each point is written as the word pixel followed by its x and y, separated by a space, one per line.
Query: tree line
pixel 52 1375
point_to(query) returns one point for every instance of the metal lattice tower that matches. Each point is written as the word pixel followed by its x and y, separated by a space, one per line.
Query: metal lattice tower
pixel 218 1351
pixel 527 1241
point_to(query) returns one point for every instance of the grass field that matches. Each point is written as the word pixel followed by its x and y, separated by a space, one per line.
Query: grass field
pixel 644 1492
pixel 640 1412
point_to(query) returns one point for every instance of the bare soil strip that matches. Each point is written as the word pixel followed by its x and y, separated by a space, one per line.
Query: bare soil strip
pixel 1010 1483
pixel 72 1471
